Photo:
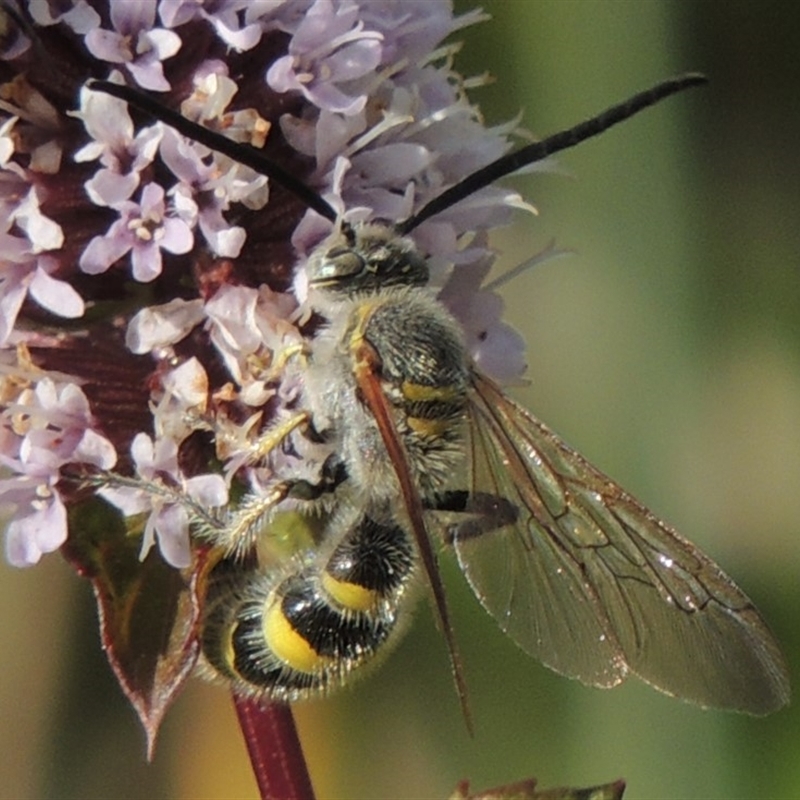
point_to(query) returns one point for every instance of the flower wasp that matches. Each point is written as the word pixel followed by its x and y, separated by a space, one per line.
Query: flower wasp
pixel 576 571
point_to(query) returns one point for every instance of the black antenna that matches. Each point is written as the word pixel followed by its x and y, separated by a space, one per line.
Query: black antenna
pixel 537 151
pixel 505 165
pixel 243 153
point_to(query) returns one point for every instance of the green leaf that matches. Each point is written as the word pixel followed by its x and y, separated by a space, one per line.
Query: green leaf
pixel 148 610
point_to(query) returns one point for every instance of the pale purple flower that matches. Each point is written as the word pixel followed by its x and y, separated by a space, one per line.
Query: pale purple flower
pixel 326 137
pixel 495 347
pixel 143 230
pixel 78 14
pixel 330 48
pixel 60 428
pixel 214 90
pixel 123 152
pixel 223 15
pixel 26 268
pixel 168 519
pixel 205 192
pixel 41 232
pixel 41 431
pixel 375 171
pixel 39 524
pixel 161 326
pixel 32 278
pixel 135 43
pixel 412 29
pixel 185 397
pixel 247 326
pixel 371 116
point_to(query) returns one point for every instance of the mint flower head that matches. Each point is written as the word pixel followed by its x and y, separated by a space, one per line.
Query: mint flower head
pixel 149 287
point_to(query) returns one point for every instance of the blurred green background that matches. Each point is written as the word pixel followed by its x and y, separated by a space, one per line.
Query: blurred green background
pixel 667 350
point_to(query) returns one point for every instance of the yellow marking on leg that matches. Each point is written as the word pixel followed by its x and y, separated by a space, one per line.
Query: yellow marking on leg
pixel 351 596
pixel 242 531
pixel 361 318
pixel 287 644
pixel 283 358
pixel 275 434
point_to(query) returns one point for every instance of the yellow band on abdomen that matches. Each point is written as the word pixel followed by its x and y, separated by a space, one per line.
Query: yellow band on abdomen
pixel 348 595
pixel 287 644
pixel 418 392
pixel 432 428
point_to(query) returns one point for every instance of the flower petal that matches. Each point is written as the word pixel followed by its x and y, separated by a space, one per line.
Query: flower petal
pixel 172 531
pixel 208 490
pixel 159 326
pixel 103 251
pixel 42 530
pixel 55 295
pixel 178 237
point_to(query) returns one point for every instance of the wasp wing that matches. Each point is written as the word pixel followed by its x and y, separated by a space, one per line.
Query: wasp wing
pixel 366 373
pixel 592 584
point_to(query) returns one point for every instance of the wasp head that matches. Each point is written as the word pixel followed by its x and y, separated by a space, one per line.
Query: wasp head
pixel 363 259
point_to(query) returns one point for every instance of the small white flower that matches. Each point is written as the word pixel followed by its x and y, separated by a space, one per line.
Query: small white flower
pixel 143 230
pixel 168 520
pixel 46 427
pixel 136 43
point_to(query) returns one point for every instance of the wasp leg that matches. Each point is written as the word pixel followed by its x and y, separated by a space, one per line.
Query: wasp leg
pixel 284 357
pixel 334 474
pixel 237 533
pixel 483 513
pixel 275 435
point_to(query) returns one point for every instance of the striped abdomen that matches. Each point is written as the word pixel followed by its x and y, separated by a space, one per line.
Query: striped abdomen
pixel 306 631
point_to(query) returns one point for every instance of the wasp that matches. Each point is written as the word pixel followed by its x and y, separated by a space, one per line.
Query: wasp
pixel 422 446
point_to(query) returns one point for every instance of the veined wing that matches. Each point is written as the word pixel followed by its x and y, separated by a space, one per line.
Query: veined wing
pixel 366 372
pixel 592 584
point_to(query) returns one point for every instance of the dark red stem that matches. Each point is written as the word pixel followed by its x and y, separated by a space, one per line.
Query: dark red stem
pixel 274 749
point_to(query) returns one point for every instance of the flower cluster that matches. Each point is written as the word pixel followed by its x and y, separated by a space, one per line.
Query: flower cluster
pixel 146 284
pixel 46 424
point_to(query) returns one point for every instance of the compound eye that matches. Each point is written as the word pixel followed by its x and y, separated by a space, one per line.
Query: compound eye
pixel 341 262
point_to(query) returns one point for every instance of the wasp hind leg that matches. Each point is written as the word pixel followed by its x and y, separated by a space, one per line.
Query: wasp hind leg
pixel 472 514
pixel 240 530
